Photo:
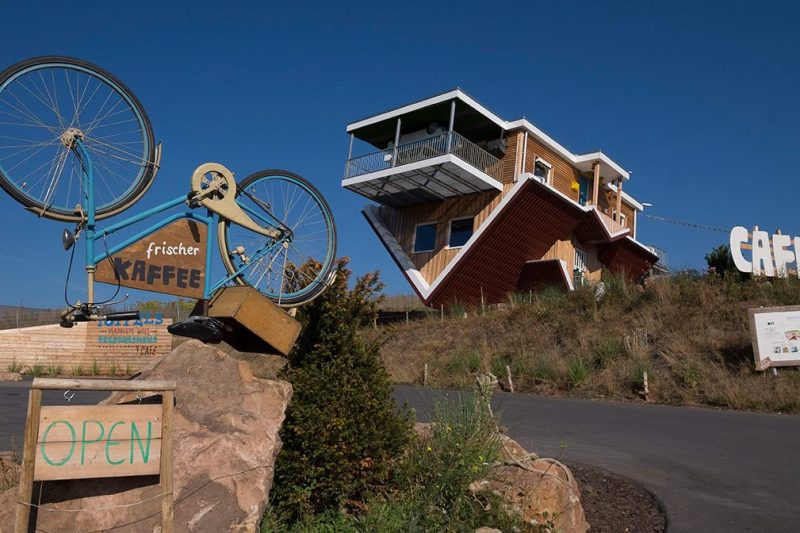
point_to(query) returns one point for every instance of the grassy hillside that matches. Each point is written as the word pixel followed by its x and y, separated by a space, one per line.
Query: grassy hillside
pixel 691 336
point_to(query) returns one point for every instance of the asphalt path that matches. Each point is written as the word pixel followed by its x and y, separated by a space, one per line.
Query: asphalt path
pixel 712 470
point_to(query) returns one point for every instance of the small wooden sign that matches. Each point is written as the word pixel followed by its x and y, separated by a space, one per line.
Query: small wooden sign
pixel 77 442
pixel 170 260
pixel 98 441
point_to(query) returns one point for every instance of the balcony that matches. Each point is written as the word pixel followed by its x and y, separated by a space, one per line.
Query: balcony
pixel 435 168
pixel 611 225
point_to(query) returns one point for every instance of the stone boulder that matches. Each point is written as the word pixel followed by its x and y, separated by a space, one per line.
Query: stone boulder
pixel 541 491
pixel 225 444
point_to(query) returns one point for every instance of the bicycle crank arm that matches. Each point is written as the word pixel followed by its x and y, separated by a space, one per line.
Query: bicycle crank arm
pixel 215 187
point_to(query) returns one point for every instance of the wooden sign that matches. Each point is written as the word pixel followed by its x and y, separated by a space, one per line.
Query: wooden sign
pixel 170 260
pixel 78 442
pixel 98 441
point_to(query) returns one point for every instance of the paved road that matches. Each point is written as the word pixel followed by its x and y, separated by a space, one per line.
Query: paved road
pixel 714 471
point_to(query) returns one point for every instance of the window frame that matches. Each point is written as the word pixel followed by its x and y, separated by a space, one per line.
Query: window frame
pixel 435 225
pixel 548 180
pixel 584 256
pixel 450 231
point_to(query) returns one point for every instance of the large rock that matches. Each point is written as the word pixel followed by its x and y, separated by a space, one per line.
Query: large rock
pixel 226 441
pixel 541 491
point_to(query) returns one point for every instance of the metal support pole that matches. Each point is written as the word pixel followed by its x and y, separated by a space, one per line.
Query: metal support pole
pixel 450 126
pixel 349 157
pixel 88 193
pixel 396 142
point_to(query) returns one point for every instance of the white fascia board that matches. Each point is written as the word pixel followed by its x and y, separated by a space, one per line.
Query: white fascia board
pixel 563 152
pixel 444 97
pixel 567 277
pixel 640 245
pixel 627 198
pixel 440 160
pixel 594 156
pixel 400 255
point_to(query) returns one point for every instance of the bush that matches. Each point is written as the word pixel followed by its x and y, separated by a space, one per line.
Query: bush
pixel 576 371
pixel 606 350
pixel 342 428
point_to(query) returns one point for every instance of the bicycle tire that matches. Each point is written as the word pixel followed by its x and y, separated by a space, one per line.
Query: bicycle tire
pixel 317 278
pixel 143 164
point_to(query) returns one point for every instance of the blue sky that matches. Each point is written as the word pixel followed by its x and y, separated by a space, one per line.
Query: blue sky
pixel 698 99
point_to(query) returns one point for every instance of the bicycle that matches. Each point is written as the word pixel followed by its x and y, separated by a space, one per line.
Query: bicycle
pixel 77 146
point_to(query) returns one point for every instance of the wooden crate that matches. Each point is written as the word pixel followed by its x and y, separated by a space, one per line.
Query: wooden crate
pixel 252 317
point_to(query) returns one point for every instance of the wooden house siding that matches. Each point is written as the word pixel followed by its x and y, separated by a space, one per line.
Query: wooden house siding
pixel 401 222
pixel 564 174
pixel 565 250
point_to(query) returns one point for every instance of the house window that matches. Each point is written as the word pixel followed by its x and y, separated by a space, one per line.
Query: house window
pixel 425 237
pixel 542 170
pixel 623 220
pixel 580 260
pixel 460 232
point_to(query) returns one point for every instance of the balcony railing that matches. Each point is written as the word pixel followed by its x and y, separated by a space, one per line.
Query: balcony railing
pixel 663 257
pixel 431 147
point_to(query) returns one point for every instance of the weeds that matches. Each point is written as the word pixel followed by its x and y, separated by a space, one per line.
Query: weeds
pixel 14 366
pixel 607 350
pixel 576 371
pixel 113 369
pixel 36 369
pixel 77 370
pixel 53 369
pixel 95 368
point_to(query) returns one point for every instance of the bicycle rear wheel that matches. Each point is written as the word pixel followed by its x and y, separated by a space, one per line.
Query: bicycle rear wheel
pixel 297 267
pixel 46 103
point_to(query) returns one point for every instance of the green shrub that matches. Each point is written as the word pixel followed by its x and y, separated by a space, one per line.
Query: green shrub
pixel 576 371
pixel 474 361
pixel 77 370
pixel 607 349
pixel 113 369
pixel 53 369
pixel 543 371
pixel 128 369
pixel 640 366
pixel 95 368
pixel 14 366
pixel 689 373
pixel 342 428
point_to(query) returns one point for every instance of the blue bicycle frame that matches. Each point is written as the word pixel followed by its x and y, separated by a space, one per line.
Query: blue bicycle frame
pixel 211 219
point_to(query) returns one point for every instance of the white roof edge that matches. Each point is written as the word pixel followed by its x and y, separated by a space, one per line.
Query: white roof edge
pixel 627 198
pixel 450 95
pixel 400 255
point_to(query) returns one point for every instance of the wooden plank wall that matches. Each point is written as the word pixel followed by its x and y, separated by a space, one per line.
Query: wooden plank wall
pixel 565 250
pixel 401 223
pixel 563 172
pixel 81 345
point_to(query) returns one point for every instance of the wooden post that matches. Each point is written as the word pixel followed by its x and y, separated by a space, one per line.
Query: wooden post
pixel 167 412
pixel 425 375
pixel 28 459
pixel 406 316
pixel 483 303
pixel 596 182
pixel 619 199
pixel 508 377
pixel 645 386
pixel 441 311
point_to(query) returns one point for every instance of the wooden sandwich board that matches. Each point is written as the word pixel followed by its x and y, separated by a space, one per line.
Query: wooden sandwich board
pixel 79 442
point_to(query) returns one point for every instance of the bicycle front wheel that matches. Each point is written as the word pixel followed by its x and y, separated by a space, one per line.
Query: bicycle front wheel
pixel 296 267
pixel 46 104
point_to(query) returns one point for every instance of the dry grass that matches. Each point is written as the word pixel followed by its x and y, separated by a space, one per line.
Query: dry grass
pixel 690 335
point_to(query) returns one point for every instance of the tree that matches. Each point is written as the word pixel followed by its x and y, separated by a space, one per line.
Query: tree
pixel 720 261
pixel 342 428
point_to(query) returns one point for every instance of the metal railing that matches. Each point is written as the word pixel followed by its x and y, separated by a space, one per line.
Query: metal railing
pixel 663 257
pixel 429 148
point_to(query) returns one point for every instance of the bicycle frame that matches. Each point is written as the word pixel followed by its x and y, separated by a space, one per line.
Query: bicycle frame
pixel 211 219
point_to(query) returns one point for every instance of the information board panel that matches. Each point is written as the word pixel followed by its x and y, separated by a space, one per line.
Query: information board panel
pixel 775 333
